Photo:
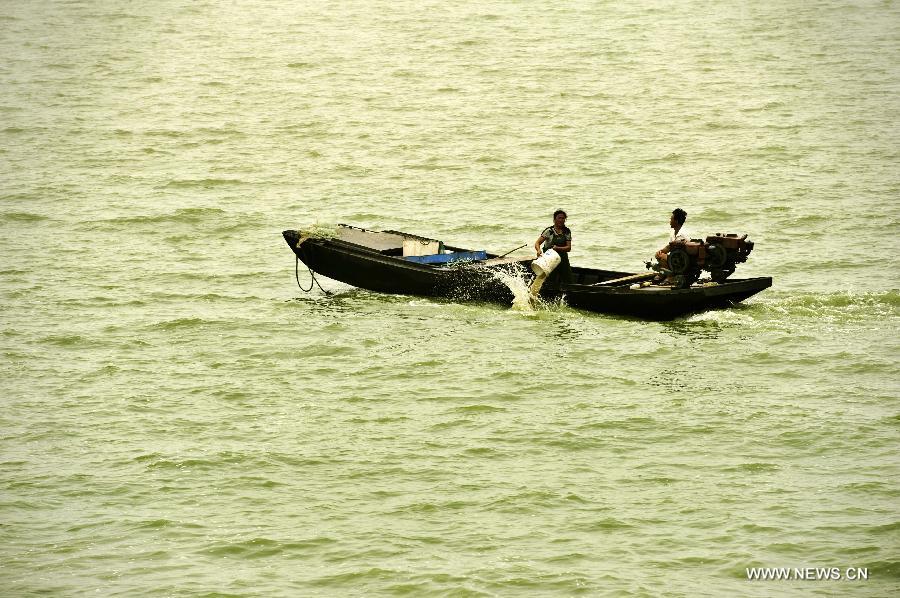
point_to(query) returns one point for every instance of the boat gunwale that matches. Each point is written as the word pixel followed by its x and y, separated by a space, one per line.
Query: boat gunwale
pixel 730 285
pixel 398 259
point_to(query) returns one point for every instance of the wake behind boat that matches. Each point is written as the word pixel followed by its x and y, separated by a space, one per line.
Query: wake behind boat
pixel 396 262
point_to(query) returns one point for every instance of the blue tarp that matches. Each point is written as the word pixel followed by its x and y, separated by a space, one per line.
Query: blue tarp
pixel 446 258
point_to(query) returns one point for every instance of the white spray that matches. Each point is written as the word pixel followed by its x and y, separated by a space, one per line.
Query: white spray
pixel 516 280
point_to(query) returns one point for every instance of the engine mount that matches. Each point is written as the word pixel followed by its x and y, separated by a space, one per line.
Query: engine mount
pixel 719 255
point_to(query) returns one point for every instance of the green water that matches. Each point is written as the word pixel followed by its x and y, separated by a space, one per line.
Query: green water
pixel 179 419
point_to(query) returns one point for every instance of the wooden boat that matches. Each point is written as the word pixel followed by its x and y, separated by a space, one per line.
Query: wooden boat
pixel 374 260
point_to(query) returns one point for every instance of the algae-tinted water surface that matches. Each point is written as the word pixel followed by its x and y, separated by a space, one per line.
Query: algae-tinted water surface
pixel 179 419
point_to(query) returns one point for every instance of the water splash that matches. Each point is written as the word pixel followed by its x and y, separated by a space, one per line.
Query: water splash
pixel 517 281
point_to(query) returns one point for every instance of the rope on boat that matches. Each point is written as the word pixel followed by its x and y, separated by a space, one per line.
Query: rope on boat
pixel 297 276
pixel 312 274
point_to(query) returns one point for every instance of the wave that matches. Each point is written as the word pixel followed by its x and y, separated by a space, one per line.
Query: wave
pixel 716 214
pixel 192 216
pixel 673 157
pixel 155 524
pixel 487 159
pixel 805 219
pixel 165 133
pixel 817 304
pixel 101 301
pixel 764 107
pixel 784 309
pixel 478 409
pixel 264 547
pixel 180 323
pixel 608 524
pixel 22 217
pixel 206 296
pixel 722 126
pixel 202 183
pixel 220 459
pixel 65 340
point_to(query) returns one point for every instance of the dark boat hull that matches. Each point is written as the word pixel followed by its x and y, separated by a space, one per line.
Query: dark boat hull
pixel 372 270
pixel 375 270
pixel 661 303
